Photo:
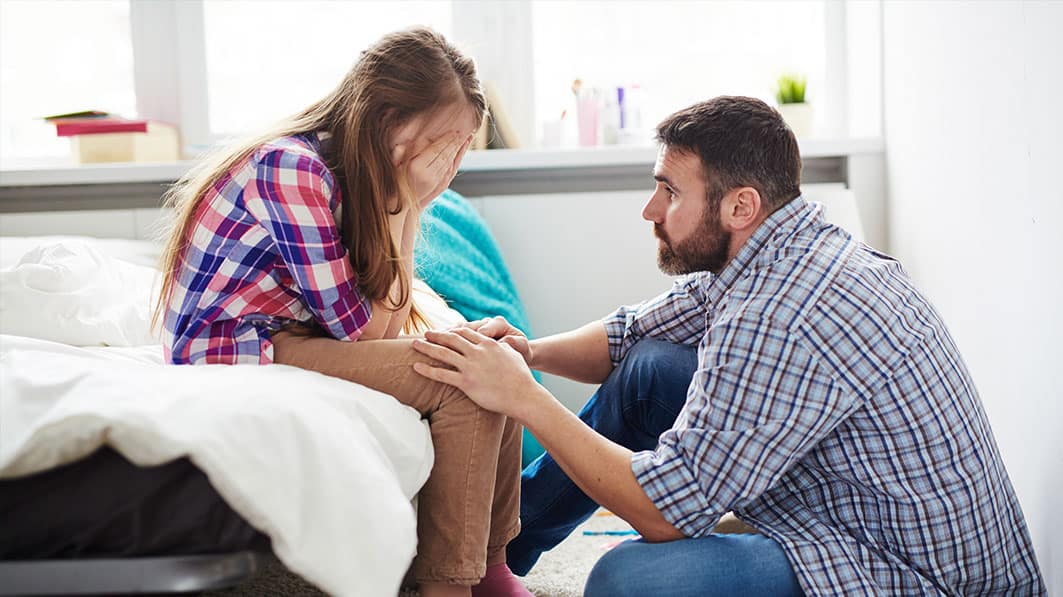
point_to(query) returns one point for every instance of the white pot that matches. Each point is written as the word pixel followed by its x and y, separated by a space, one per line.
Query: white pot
pixel 799 117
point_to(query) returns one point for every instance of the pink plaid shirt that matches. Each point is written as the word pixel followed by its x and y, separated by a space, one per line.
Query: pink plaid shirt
pixel 263 252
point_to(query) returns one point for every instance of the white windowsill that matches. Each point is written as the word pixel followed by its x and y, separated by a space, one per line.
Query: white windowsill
pixel 59 173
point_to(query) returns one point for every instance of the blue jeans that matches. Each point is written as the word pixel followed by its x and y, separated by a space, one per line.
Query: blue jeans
pixel 725 565
pixel 637 402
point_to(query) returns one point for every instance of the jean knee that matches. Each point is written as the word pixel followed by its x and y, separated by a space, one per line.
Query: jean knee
pixel 651 357
pixel 654 370
pixel 611 575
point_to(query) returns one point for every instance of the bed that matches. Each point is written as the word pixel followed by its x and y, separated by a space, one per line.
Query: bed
pixel 325 468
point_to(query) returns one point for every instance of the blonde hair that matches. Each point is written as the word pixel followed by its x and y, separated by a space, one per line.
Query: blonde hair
pixel 403 75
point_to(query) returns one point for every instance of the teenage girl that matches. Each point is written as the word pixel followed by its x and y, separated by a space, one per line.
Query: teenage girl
pixel 296 247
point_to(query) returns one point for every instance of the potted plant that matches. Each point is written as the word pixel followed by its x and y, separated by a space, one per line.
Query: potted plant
pixel 792 105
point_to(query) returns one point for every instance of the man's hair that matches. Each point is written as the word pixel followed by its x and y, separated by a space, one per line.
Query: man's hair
pixel 742 142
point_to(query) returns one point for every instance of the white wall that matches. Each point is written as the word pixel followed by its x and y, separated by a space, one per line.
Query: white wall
pixel 574 258
pixel 972 100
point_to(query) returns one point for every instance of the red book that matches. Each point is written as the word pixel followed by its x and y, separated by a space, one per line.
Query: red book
pixel 94 126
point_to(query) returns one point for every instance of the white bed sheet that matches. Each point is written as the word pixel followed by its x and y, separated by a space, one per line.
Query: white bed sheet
pixel 325 467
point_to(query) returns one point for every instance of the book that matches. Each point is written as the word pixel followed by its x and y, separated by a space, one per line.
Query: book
pixel 81 114
pixel 96 126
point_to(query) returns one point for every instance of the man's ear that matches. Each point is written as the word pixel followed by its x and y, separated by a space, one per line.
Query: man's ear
pixel 741 209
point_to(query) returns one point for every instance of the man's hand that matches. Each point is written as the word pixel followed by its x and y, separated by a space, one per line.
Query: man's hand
pixel 497 328
pixel 490 373
pixel 431 171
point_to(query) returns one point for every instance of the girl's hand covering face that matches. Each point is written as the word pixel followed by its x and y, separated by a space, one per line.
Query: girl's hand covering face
pixel 431 171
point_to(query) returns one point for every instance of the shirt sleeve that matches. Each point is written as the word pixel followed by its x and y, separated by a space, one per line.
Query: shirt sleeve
pixel 677 316
pixel 297 195
pixel 758 402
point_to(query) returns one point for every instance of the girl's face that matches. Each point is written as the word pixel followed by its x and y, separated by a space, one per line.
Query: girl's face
pixel 421 131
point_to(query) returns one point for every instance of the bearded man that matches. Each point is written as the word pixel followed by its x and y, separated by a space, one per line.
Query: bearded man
pixel 792 376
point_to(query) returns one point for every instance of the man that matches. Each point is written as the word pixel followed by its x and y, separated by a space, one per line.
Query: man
pixel 795 377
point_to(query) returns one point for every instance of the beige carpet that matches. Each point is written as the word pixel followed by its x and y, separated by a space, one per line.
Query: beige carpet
pixel 560 572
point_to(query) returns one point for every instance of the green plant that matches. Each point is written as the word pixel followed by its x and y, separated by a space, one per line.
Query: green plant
pixel 791 89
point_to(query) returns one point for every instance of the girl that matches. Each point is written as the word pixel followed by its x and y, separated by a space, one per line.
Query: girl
pixel 297 248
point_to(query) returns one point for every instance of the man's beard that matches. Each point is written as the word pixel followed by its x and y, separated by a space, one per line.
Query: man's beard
pixel 705 249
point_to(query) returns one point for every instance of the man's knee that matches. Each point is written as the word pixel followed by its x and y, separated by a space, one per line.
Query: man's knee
pixel 612 574
pixel 654 368
pixel 652 359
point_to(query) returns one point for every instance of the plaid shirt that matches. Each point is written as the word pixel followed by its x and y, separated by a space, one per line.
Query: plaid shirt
pixel 264 251
pixel 831 410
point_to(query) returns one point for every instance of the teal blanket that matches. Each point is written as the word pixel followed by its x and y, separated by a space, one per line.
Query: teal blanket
pixel 457 256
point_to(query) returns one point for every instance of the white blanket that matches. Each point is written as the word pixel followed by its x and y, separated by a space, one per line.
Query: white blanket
pixel 325 467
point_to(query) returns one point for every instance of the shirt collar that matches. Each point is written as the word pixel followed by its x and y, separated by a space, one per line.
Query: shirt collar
pixel 771 232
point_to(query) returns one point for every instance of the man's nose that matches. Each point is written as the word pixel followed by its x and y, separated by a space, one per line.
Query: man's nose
pixel 651 211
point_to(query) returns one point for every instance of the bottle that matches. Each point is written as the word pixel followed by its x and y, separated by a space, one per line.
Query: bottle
pixel 588 113
pixel 631 129
pixel 611 119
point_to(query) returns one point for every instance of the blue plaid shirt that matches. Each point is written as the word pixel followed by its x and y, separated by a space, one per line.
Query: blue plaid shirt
pixel 831 410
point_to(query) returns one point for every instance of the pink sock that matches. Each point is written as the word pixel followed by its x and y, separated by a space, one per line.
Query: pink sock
pixel 500 582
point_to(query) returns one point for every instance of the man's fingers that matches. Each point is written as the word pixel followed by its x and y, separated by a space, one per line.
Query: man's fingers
pixel 439 353
pixel 473 336
pixel 452 340
pixel 495 327
pixel 451 378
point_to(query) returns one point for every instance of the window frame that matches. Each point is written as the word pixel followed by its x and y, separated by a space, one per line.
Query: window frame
pixel 170 63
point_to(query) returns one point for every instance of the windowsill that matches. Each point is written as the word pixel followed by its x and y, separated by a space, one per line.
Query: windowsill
pixel 63 173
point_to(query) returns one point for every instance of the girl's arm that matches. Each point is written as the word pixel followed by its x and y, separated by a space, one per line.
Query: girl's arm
pixel 409 237
pixel 386 323
pixel 430 172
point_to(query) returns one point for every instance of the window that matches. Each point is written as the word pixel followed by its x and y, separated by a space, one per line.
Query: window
pixel 266 60
pixel 58 57
pixel 227 67
pixel 676 52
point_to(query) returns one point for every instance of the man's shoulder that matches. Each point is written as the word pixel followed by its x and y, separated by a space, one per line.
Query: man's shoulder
pixel 806 276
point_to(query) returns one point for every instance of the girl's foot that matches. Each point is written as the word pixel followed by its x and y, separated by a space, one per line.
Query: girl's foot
pixel 500 582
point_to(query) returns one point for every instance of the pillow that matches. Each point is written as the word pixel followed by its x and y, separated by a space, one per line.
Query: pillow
pixel 68 291
pixel 71 293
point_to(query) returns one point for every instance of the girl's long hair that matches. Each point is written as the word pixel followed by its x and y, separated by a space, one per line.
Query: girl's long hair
pixel 403 75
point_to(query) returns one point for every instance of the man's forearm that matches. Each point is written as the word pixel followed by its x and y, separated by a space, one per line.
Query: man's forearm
pixel 581 354
pixel 601 468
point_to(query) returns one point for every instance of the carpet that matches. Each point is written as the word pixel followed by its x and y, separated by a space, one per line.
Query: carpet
pixel 560 572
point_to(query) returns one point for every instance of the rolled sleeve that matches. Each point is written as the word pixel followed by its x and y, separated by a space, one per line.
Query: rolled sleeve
pixel 294 199
pixel 758 402
pixel 676 316
pixel 672 487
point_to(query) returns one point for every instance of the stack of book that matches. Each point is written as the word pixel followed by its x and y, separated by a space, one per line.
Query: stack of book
pixel 101 137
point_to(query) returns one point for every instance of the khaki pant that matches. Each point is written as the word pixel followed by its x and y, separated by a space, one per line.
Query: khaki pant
pixel 468 509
